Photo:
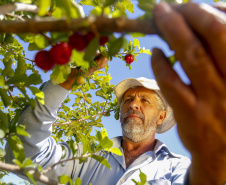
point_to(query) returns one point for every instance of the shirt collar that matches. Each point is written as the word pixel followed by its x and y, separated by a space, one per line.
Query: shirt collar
pixel 160 147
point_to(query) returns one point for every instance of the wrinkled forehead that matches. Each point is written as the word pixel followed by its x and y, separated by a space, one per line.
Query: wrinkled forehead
pixel 139 90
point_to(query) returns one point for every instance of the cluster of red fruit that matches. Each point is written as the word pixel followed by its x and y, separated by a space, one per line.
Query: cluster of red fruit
pixel 61 53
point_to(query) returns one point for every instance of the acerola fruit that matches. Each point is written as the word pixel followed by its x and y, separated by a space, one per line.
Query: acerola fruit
pixel 103 40
pixel 89 36
pixel 60 53
pixel 129 58
pixel 80 80
pixel 42 60
pixel 78 41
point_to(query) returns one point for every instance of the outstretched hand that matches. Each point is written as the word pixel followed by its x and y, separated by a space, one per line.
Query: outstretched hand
pixel 101 62
pixel 197 34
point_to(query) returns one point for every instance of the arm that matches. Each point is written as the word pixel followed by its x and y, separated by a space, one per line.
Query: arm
pixel 197 34
pixel 42 148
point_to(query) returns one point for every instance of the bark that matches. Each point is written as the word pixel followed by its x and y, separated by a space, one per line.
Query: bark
pixel 100 24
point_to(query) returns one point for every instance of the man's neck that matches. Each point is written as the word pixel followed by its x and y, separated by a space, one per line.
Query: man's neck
pixel 132 150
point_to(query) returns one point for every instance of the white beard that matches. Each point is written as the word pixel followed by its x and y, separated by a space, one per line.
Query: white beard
pixel 136 130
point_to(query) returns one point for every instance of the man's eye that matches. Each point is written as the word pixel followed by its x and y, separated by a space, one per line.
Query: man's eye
pixel 127 100
pixel 144 100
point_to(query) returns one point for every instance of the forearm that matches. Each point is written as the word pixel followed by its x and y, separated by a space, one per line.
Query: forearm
pixel 38 121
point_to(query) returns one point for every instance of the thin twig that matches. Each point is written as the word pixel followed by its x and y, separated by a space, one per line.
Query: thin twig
pixel 14 53
pixel 14 99
pixel 66 160
pixel 80 120
pixel 37 175
pixel 85 103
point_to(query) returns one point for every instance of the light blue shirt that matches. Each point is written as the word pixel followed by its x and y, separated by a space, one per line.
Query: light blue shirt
pixel 161 166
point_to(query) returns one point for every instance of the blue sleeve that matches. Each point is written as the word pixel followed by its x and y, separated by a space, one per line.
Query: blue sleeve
pixel 41 147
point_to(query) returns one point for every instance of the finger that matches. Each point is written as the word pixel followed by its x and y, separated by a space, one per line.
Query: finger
pixel 101 61
pixel 188 50
pixel 178 95
pixel 214 21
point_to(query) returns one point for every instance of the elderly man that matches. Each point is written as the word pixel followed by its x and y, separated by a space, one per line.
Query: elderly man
pixel 143 113
pixel 199 41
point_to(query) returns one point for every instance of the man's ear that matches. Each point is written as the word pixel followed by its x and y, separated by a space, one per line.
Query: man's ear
pixel 161 117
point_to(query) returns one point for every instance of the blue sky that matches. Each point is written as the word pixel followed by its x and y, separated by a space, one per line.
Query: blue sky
pixel 119 71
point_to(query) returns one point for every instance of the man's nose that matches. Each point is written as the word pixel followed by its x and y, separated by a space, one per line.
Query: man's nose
pixel 134 105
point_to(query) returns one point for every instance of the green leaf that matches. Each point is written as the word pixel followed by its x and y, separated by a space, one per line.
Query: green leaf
pixel 17 79
pixel 78 58
pixel 65 5
pixel 2 81
pixel 115 46
pixel 147 51
pixel 5 98
pixel 105 143
pixel 20 130
pixel 91 49
pixel 78 181
pixel 64 179
pixel 9 38
pixel 89 2
pixel 17 147
pixel 136 43
pixel 88 100
pixel 21 66
pixel 2 152
pixel 41 41
pixel 8 71
pixel 2 134
pixel 128 5
pixel 102 160
pixel 117 115
pixel 31 178
pixel 43 7
pixel 136 34
pixel 4 121
pixel 38 93
pixel 143 177
pixel 34 79
pixel 116 151
pixel 109 2
pixel 85 143
pixel 60 74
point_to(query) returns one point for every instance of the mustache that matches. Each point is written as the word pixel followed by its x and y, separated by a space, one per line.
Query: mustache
pixel 141 116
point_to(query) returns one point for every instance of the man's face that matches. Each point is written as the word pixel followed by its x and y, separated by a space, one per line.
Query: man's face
pixel 139 114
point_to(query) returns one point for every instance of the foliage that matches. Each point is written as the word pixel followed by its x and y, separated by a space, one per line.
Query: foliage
pixel 20 79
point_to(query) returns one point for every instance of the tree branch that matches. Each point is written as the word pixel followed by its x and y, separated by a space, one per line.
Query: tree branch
pixel 102 24
pixel 37 175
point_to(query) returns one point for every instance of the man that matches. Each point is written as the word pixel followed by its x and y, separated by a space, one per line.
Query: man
pixel 199 109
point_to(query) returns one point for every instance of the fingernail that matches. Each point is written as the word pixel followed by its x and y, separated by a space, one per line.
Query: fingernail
pixel 162 8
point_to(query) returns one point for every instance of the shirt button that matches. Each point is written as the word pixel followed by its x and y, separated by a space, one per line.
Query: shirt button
pixel 122 180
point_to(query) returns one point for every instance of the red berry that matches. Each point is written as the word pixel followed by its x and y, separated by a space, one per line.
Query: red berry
pixel 89 36
pixel 60 53
pixel 78 41
pixel 103 40
pixel 43 61
pixel 129 58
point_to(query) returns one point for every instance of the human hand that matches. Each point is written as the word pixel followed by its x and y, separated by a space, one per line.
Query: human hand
pixel 101 62
pixel 197 34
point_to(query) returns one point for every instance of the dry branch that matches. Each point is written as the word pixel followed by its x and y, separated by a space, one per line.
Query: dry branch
pixel 37 175
pixel 101 24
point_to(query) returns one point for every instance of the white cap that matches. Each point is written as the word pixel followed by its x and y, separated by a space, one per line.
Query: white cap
pixel 151 84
